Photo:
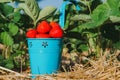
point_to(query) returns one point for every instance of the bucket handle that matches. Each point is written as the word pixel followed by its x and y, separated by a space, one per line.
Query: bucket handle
pixel 62 12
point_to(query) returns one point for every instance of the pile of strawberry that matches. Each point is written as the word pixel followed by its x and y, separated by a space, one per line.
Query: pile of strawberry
pixel 45 30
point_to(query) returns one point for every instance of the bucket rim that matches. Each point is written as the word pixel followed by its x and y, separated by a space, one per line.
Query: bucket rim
pixel 44 38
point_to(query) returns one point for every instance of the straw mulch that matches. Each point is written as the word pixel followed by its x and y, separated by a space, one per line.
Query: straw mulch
pixel 107 67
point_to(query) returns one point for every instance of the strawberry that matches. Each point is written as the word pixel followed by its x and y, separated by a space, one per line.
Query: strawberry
pixel 43 27
pixel 54 24
pixel 56 32
pixel 42 36
pixel 31 33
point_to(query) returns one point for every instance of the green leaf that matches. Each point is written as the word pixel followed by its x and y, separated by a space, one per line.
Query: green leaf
pixel 82 17
pixel 9 65
pixel 84 47
pixel 16 46
pixel 1 25
pixel 45 12
pixel 113 3
pixel 6 39
pixel 114 7
pixel 31 8
pixel 89 25
pixel 6 9
pixel 16 17
pixel 100 14
pixel 1 1
pixel 117 45
pixel 115 19
pixel 22 5
pixel 13 29
pixel 76 29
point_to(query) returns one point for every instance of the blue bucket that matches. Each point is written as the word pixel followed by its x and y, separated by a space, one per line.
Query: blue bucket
pixel 45 55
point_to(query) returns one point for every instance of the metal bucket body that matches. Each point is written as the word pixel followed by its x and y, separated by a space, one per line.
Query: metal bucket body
pixel 45 55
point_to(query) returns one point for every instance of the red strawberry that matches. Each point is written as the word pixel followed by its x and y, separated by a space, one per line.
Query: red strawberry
pixel 54 24
pixel 31 33
pixel 56 32
pixel 43 27
pixel 42 36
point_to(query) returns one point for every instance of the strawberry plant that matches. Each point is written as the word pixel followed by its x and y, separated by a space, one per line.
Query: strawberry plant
pixel 97 28
pixel 12 43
